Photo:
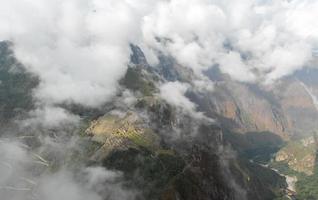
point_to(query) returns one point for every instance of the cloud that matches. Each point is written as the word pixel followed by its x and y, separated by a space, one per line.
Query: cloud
pixel 50 117
pixel 21 180
pixel 250 40
pixel 79 49
pixel 62 186
pixel 232 64
pixel 96 183
pixel 173 93
pixel 186 30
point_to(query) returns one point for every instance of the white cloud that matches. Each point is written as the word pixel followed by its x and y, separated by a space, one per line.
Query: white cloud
pixel 21 180
pixel 232 64
pixel 63 186
pixel 274 38
pixel 80 48
pixel 188 30
pixel 288 58
pixel 51 117
pixel 173 93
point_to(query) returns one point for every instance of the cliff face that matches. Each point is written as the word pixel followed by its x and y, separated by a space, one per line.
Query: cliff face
pixel 251 109
pixel 298 104
pixel 287 108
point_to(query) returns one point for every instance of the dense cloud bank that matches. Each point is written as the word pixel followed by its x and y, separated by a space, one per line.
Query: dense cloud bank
pixel 80 49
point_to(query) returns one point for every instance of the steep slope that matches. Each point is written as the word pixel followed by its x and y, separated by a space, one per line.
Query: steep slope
pixel 15 85
pixel 194 162
pixel 162 151
pixel 299 107
pixel 285 108
pixel 259 120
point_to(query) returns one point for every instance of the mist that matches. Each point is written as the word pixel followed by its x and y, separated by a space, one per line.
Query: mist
pixel 76 46
pixel 80 50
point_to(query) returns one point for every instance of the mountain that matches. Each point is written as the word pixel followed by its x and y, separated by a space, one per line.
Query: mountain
pixel 259 120
pixel 223 150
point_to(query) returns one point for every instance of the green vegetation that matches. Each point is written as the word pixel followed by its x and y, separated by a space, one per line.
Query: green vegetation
pixel 87 148
pixel 144 138
pixel 259 179
pixel 135 81
pixel 283 168
pixel 165 152
pixel 85 123
pixel 15 85
pixel 307 187
pixel 298 150
pixel 117 130
pixel 282 198
pixel 150 173
pixel 257 146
